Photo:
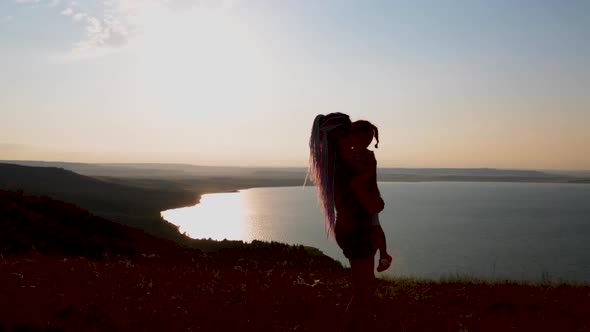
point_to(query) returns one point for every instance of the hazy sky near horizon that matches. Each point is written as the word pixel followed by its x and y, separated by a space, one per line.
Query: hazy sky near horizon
pixel 460 83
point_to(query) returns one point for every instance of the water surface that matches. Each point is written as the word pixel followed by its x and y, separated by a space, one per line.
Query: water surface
pixel 517 231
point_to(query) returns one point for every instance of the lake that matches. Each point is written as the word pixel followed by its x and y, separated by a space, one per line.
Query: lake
pixel 494 231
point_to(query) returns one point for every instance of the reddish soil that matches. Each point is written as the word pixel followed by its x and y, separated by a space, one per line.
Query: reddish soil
pixel 247 292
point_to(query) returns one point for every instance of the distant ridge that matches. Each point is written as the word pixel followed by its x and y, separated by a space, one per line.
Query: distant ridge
pixel 91 193
pixel 136 169
pixel 176 170
pixel 290 175
pixel 48 177
pixel 465 172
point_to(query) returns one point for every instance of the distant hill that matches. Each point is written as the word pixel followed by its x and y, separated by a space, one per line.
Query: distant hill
pixel 464 172
pixel 579 174
pixel 90 193
pixel 138 169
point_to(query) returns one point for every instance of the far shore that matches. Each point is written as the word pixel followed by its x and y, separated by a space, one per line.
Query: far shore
pixel 218 185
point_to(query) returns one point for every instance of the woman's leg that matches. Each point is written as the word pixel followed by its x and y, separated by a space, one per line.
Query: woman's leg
pixel 359 310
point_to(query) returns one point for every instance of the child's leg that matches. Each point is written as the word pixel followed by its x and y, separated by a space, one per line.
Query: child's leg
pixel 379 236
pixel 381 242
pixel 384 258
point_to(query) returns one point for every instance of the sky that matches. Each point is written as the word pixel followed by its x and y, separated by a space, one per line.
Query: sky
pixel 463 83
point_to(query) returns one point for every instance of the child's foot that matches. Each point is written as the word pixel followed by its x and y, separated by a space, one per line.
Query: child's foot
pixel 384 263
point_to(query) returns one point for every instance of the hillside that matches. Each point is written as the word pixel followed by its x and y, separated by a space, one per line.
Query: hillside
pixel 62 269
pixel 91 193
pixel 50 226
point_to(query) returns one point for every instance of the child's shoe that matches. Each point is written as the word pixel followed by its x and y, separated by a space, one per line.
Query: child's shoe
pixel 384 263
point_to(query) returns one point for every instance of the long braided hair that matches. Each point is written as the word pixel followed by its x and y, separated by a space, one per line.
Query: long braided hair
pixel 325 131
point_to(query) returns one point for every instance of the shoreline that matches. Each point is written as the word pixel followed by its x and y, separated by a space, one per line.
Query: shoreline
pixel 205 244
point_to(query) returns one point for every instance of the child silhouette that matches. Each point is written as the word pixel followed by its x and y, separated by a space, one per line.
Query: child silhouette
pixel 365 164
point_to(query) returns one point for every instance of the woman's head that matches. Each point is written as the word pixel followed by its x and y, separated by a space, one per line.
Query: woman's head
pixel 328 135
pixel 364 132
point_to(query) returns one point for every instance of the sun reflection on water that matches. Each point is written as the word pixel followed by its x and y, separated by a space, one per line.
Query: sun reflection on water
pixel 217 216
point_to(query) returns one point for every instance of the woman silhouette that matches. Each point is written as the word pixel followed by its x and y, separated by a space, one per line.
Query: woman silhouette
pixel 347 209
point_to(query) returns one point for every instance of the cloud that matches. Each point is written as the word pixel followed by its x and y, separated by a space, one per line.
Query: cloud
pixel 102 36
pixel 115 23
pixel 79 16
pixel 6 18
pixel 67 12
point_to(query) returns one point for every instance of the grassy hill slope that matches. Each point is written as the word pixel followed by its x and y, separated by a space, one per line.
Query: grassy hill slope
pixel 50 226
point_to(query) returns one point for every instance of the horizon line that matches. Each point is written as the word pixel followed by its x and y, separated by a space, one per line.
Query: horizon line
pixel 281 167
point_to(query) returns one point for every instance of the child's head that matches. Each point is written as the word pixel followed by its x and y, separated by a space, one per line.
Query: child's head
pixel 365 131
